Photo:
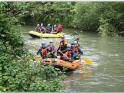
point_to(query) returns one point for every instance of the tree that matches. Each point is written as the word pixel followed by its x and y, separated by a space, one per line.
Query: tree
pixel 91 16
pixel 17 71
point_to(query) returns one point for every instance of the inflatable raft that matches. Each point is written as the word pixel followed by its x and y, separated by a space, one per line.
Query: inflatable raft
pixel 61 63
pixel 35 34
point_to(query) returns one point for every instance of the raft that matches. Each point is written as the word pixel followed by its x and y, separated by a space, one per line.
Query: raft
pixel 35 34
pixel 62 64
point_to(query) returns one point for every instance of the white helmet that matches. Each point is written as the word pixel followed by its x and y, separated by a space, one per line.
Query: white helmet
pixel 48 24
pixel 75 42
pixel 38 24
pixel 69 45
pixel 41 24
pixel 54 25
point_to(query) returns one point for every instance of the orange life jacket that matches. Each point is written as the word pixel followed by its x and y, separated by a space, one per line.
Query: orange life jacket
pixel 75 48
pixel 43 52
pixel 68 53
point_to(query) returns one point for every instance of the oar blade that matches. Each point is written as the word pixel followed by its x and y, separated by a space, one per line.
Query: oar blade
pixel 88 61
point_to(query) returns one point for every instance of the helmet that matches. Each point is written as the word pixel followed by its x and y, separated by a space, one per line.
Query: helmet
pixel 54 25
pixel 48 25
pixel 38 24
pixel 43 45
pixel 62 37
pixel 68 48
pixel 75 42
pixel 41 24
pixel 69 45
pixel 48 46
pixel 72 44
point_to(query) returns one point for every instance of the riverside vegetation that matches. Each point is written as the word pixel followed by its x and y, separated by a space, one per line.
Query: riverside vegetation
pixel 16 71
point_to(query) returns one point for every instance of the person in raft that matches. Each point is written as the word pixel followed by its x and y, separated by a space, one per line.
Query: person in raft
pixel 77 40
pixel 75 47
pixel 37 28
pixel 49 28
pixel 51 50
pixel 54 29
pixel 42 51
pixel 69 55
pixel 42 28
pixel 59 28
pixel 62 45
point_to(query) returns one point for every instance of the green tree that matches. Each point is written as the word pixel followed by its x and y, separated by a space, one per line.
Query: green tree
pixel 17 71
pixel 91 16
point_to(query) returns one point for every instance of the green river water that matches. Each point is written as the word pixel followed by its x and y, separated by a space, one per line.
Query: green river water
pixel 107 72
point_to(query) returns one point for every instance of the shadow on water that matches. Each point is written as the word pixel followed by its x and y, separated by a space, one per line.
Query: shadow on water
pixel 107 53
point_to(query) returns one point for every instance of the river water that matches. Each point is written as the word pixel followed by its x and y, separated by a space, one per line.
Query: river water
pixel 107 53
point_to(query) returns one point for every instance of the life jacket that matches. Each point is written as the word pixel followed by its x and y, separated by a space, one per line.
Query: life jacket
pixel 75 48
pixel 59 28
pixel 42 28
pixel 68 53
pixel 43 52
pixel 52 48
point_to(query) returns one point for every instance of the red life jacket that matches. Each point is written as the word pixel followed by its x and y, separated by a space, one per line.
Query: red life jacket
pixel 43 52
pixel 68 53
pixel 59 28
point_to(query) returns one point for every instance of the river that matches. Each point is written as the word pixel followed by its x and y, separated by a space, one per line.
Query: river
pixel 107 53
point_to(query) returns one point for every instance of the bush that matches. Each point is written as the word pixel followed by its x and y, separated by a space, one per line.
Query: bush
pixel 16 71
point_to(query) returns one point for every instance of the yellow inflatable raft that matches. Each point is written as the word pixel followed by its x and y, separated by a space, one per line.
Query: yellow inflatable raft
pixel 35 34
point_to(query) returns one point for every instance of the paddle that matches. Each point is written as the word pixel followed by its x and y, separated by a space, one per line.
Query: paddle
pixel 88 61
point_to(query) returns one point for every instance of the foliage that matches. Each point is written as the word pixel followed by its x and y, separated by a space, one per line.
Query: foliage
pixel 106 29
pixel 87 16
pixel 19 75
pixel 104 17
pixel 48 12
pixel 16 70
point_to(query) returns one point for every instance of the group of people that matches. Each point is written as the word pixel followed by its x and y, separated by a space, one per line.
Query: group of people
pixel 65 51
pixel 49 28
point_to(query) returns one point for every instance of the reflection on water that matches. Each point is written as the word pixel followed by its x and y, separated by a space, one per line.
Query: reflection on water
pixel 107 71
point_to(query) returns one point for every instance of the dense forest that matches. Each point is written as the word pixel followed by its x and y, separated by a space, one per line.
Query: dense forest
pixel 16 72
